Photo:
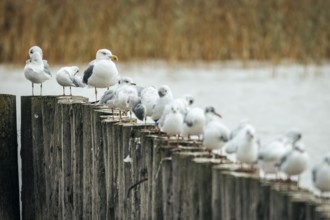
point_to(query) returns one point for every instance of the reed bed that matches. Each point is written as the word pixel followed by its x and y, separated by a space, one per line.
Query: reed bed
pixel 72 31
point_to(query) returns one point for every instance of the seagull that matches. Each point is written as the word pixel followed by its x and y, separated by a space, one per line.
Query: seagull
pixel 231 145
pixel 247 145
pixel 294 162
pixel 67 77
pixel 101 72
pixel 165 97
pixel 36 70
pixel 182 104
pixel 321 175
pixel 149 97
pixel 215 132
pixel 123 96
pixel 172 124
pixel 271 154
pixel 193 123
pixel 108 98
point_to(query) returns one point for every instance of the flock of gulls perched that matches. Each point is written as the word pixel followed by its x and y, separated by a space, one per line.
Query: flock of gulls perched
pixel 176 116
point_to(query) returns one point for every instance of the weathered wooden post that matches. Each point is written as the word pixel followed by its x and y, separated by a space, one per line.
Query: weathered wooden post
pixel 87 161
pixel 118 165
pixel 55 159
pixel 9 188
pixel 70 137
pixel 203 185
pixel 180 166
pixel 109 168
pixel 36 129
pixel 67 177
pixel 167 180
pixel 77 157
pixel 98 181
pixel 138 172
pixel 144 173
pixel 218 198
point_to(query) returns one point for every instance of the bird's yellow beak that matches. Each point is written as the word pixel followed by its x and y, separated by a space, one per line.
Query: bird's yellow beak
pixel 114 57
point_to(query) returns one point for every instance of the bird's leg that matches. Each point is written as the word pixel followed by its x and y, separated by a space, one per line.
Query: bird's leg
pixel 63 91
pixel 298 182
pixel 95 94
pixel 113 116
pixel 40 89
pixel 70 91
pixel 32 89
pixel 177 140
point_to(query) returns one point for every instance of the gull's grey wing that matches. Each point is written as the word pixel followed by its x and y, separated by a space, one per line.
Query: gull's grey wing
pixel 284 158
pixel 88 72
pixel 77 81
pixel 46 68
pixel 139 110
pixel 108 95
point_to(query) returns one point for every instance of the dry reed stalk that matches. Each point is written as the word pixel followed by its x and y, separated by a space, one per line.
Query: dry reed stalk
pixel 72 31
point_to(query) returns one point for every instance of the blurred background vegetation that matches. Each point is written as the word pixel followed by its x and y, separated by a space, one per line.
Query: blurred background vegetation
pixel 71 31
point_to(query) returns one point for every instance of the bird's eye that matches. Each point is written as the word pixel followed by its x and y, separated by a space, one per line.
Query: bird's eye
pixel 31 51
pixel 103 53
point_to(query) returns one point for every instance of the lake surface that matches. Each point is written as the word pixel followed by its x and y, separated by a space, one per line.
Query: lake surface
pixel 296 98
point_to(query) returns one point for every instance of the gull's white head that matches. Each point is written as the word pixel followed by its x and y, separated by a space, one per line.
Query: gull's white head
pixel 294 135
pixel 35 49
pixel 190 100
pixel 35 53
pixel 210 110
pixel 125 80
pixel 250 131
pixel 105 54
pixel 164 90
pixel 74 70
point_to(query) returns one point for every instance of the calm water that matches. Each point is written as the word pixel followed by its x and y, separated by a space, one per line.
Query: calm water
pixel 293 99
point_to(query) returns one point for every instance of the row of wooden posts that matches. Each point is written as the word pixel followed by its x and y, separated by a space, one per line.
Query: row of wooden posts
pixel 80 162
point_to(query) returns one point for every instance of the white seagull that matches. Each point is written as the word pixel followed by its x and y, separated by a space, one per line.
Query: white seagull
pixel 321 175
pixel 294 162
pixel 101 72
pixel 67 77
pixel 125 97
pixel 193 122
pixel 172 124
pixel 182 104
pixel 271 154
pixel 247 145
pixel 109 96
pixel 215 132
pixel 36 70
pixel 165 97
pixel 142 107
pixel 149 97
